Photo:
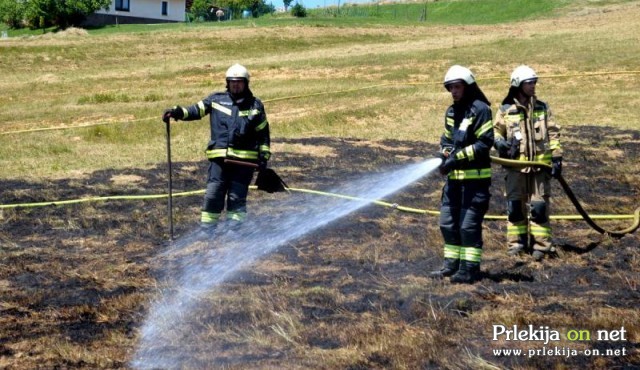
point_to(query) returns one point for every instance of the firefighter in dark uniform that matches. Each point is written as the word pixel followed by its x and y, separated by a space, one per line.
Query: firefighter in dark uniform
pixel 525 130
pixel 239 131
pixel 464 150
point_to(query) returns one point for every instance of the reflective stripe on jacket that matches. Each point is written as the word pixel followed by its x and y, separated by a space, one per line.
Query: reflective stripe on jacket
pixel 469 130
pixel 538 132
pixel 239 129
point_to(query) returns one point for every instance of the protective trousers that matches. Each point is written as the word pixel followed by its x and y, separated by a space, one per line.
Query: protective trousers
pixel 528 228
pixel 226 182
pixel 464 204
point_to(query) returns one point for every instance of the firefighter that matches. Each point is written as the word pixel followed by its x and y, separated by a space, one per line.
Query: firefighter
pixel 526 131
pixel 239 131
pixel 464 150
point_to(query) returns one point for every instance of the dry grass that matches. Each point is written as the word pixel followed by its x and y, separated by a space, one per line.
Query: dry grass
pixel 66 81
pixel 76 282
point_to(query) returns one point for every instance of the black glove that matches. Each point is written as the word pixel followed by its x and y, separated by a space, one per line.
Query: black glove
pixel 514 148
pixel 262 161
pixel 556 167
pixel 175 112
pixel 442 155
pixel 262 165
pixel 448 164
pixel 503 148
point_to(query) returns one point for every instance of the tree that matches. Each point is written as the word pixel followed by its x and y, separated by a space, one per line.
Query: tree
pixel 44 13
pixel 200 9
pixel 256 7
pixel 12 13
pixel 298 10
pixel 286 4
pixel 236 6
pixel 259 7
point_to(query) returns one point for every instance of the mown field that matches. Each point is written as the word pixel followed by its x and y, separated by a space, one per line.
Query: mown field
pixel 346 97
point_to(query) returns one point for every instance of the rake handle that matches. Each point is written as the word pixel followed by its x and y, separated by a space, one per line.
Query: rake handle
pixel 170 185
pixel 241 163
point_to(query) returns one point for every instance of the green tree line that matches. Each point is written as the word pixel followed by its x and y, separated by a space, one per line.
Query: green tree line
pixel 62 14
pixel 200 8
pixel 47 13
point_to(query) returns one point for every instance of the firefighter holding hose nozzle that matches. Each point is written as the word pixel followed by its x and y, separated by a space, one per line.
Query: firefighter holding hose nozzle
pixel 464 150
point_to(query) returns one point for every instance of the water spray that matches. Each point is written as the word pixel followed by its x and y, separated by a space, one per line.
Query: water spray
pixel 194 268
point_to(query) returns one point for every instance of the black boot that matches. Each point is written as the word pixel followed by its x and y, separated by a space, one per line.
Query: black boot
pixel 468 273
pixel 450 267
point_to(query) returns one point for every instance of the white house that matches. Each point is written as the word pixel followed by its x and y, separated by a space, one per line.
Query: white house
pixel 141 11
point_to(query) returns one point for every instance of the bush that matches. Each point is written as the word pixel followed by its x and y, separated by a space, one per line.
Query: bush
pixel 62 14
pixel 298 11
pixel 12 13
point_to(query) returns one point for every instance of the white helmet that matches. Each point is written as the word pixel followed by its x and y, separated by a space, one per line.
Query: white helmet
pixel 522 74
pixel 459 74
pixel 236 72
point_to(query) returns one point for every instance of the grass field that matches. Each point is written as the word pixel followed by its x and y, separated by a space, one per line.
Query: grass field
pixel 346 96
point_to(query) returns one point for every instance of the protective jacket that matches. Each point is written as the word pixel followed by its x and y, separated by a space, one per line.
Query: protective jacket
pixel 239 128
pixel 532 135
pixel 533 128
pixel 468 133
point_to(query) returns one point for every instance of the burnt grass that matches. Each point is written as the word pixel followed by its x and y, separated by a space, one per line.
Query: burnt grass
pixel 76 280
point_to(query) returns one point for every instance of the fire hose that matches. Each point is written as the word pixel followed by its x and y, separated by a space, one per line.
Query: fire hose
pixel 500 161
pixel 572 197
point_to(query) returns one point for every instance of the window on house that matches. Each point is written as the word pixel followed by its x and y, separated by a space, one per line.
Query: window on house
pixel 164 8
pixel 122 5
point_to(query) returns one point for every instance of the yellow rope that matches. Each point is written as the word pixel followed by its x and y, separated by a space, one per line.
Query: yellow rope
pixel 299 190
pixel 100 123
pixel 585 74
pixel 95 199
